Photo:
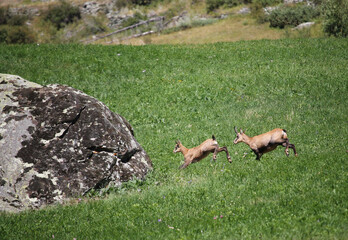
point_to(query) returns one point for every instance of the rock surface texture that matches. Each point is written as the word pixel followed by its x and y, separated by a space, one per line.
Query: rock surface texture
pixel 304 25
pixel 57 142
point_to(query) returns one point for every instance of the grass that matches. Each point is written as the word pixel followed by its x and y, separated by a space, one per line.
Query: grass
pixel 190 92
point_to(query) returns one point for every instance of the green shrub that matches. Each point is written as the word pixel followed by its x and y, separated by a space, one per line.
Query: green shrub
pixel 211 5
pixel 133 20
pixel 336 17
pixel 258 13
pixel 78 30
pixel 127 3
pixel 130 3
pixel 214 4
pixel 265 3
pixel 4 15
pixel 93 25
pixel 318 2
pixel 141 2
pixel 62 14
pixel 292 15
pixel 17 20
pixel 122 3
pixel 16 35
pixel 3 35
pixel 174 10
pixel 7 18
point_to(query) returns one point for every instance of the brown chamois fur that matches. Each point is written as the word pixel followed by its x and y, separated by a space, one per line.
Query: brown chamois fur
pixel 265 142
pixel 196 154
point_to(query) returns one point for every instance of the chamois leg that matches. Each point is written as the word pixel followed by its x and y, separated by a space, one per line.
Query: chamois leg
pixel 288 145
pixel 258 154
pixel 220 149
pixel 216 150
pixel 293 148
pixel 185 164
pixel 227 154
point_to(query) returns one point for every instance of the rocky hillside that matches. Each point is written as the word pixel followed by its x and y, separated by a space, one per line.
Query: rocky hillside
pixel 121 21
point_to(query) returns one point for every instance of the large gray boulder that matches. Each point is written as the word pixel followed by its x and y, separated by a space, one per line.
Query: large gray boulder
pixel 57 142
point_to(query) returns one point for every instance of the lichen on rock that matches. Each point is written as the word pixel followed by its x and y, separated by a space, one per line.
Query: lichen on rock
pixel 57 142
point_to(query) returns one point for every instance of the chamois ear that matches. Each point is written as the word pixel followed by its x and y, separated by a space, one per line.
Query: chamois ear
pixel 241 131
pixel 177 142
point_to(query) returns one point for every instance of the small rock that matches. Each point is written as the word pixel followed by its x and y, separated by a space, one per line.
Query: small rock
pixel 304 25
pixel 268 10
pixel 244 10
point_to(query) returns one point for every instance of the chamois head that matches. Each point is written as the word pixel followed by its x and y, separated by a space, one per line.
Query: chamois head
pixel 239 138
pixel 177 147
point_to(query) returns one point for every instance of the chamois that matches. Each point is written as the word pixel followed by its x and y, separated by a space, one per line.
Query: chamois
pixel 265 142
pixel 196 154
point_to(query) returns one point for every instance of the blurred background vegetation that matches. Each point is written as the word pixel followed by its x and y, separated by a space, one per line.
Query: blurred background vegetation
pixel 66 21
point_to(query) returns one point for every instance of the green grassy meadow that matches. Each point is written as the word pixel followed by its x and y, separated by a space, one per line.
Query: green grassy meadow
pixel 190 92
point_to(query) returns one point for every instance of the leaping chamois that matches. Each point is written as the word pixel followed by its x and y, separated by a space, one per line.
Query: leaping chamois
pixel 265 142
pixel 196 154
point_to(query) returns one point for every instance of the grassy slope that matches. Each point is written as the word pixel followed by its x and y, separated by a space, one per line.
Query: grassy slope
pixel 190 92
pixel 232 29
